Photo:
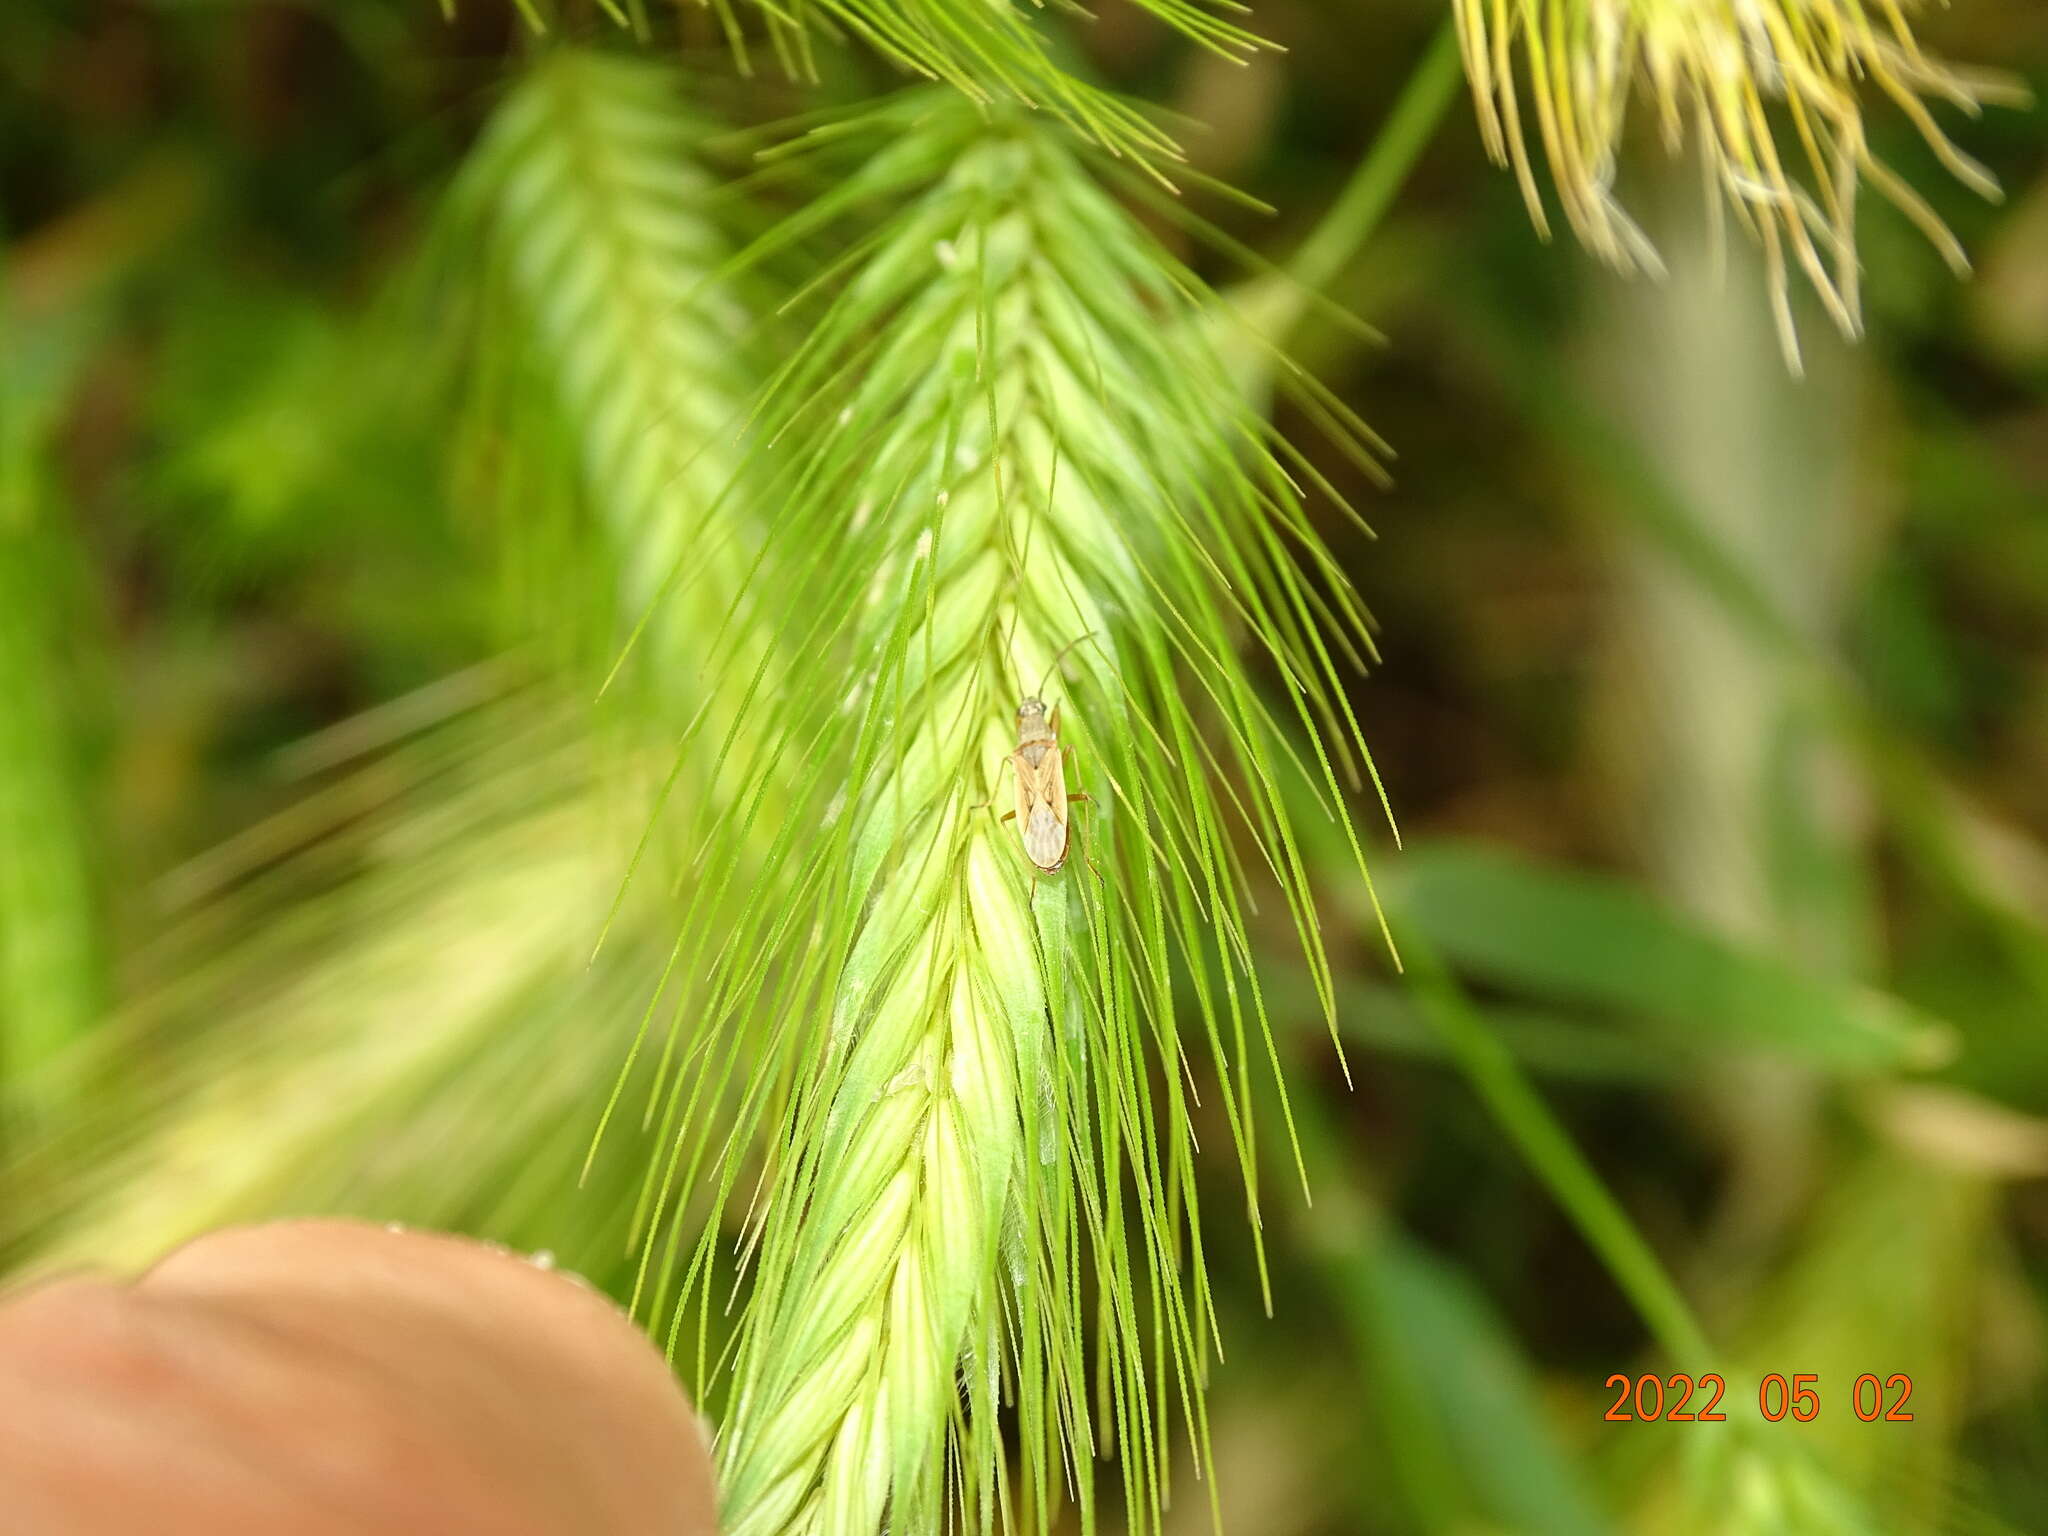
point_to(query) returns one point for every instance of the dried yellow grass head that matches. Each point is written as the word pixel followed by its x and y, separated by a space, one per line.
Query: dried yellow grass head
pixel 1775 91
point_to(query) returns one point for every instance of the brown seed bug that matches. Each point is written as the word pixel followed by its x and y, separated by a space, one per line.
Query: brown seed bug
pixel 1042 797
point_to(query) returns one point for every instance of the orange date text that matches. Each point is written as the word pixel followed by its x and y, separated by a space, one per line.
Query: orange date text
pixel 1682 1399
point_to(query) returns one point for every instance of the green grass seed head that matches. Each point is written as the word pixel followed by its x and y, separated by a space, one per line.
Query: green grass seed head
pixel 968 1077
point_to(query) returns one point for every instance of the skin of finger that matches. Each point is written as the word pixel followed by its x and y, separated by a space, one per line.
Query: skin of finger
pixel 317 1377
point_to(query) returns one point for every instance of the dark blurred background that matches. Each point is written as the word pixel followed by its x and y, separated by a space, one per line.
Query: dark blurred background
pixel 1713 710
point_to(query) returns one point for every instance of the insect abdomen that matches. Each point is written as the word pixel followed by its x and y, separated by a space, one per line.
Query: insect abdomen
pixel 1045 838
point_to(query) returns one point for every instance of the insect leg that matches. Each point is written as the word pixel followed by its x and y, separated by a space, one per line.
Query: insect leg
pixel 1082 795
pixel 991 800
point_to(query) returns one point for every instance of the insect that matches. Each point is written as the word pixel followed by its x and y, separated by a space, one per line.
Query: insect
pixel 1042 798
pixel 1041 767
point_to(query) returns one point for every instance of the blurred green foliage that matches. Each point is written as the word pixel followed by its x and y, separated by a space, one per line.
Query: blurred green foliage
pixel 1713 708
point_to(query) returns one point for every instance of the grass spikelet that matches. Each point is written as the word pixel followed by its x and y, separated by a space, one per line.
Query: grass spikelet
pixel 599 253
pixel 343 1048
pixel 1775 93
pixel 990 51
pixel 1007 458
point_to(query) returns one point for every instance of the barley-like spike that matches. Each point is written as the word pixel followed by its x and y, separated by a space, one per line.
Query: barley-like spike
pixel 1008 453
pixel 1724 66
pixel 574 278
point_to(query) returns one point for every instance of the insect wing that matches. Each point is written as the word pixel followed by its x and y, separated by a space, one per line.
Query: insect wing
pixel 1042 810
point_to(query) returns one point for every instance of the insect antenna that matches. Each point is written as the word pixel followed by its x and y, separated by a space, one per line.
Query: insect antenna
pixel 1059 656
pixel 1008 653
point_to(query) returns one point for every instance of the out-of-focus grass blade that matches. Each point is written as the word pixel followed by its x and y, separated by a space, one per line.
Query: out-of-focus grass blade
pixel 1481 1389
pixel 51 944
pixel 1452 1394
pixel 1912 784
pixel 1888 1284
pixel 1571 937
pixel 50 941
pixel 1553 1043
